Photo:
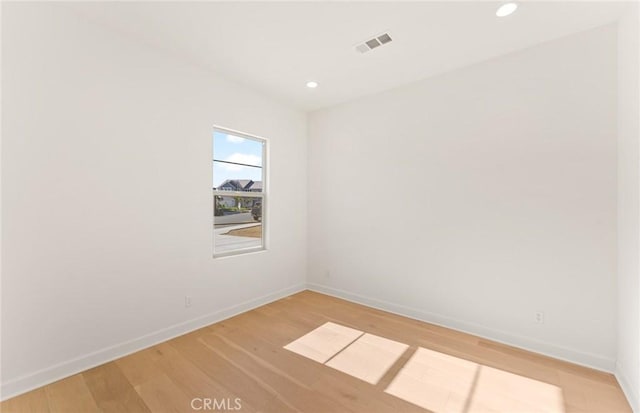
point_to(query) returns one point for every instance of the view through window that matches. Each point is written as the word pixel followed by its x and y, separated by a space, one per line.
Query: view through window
pixel 238 192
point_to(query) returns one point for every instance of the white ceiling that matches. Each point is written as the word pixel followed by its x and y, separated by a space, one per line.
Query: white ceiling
pixel 276 48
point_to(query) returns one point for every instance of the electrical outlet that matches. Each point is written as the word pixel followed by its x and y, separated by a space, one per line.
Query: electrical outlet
pixel 539 317
pixel 187 301
pixel 327 274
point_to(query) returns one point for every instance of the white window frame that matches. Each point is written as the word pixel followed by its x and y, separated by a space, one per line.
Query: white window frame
pixel 248 194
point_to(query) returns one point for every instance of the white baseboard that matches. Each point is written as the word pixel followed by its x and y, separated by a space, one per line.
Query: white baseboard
pixel 59 371
pixel 574 356
pixel 632 394
pixel 68 368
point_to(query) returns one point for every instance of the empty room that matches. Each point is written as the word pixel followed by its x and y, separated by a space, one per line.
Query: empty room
pixel 320 206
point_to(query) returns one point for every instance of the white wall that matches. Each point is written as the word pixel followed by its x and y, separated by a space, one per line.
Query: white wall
pixel 476 198
pixel 495 184
pixel 107 205
pixel 628 363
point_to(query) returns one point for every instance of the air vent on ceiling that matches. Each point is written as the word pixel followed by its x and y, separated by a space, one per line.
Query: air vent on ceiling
pixel 371 44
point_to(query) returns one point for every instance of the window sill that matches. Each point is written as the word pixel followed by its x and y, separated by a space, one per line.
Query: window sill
pixel 247 251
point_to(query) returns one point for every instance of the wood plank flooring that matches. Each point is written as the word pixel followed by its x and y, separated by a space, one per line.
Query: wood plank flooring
pixel 243 358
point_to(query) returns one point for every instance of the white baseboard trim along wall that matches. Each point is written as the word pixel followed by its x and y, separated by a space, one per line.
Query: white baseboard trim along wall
pixel 558 352
pixel 632 394
pixel 70 367
pixel 42 377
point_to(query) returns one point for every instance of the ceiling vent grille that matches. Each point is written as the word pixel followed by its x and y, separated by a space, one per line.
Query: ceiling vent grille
pixel 373 43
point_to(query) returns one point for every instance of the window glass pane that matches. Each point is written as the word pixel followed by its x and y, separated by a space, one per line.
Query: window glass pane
pixel 237 167
pixel 237 223
pixel 233 148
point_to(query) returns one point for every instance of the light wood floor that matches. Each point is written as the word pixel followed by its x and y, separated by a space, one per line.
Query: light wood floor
pixel 243 357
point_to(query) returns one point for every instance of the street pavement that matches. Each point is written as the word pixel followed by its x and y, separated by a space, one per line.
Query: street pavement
pixel 243 218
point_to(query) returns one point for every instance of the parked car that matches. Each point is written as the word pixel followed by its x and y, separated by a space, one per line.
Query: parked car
pixel 256 212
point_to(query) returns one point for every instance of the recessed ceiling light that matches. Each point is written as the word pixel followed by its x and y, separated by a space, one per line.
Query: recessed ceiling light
pixel 312 84
pixel 506 9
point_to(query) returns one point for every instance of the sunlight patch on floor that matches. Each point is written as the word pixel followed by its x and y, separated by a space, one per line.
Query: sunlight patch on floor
pixel 442 383
pixel 368 358
pixel 499 390
pixel 435 381
pixel 324 342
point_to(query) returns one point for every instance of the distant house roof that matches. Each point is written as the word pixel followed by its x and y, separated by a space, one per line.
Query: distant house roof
pixel 254 186
pixel 241 185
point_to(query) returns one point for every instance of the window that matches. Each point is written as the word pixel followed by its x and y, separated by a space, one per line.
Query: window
pixel 238 192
